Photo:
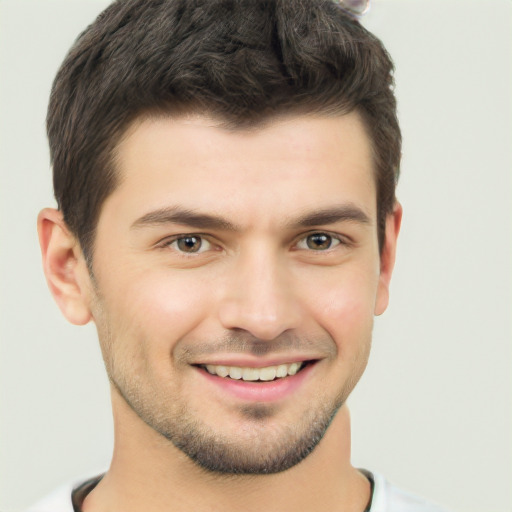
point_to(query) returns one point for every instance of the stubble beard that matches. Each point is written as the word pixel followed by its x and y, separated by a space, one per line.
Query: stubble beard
pixel 262 451
pixel 265 446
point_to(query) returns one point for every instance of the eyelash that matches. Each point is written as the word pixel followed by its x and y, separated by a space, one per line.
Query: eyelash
pixel 340 241
pixel 168 242
pixel 333 238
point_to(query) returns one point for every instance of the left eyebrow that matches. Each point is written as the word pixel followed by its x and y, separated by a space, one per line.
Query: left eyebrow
pixel 345 213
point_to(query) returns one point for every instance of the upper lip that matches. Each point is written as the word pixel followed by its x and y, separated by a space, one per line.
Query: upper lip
pixel 255 362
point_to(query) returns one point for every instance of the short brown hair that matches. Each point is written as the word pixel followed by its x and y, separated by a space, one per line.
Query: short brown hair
pixel 242 61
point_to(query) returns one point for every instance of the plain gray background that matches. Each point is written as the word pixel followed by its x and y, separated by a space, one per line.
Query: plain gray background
pixel 433 412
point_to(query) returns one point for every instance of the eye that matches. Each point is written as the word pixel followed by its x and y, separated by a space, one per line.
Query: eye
pixel 318 242
pixel 190 244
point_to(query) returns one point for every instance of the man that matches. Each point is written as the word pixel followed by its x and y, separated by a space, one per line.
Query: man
pixel 225 176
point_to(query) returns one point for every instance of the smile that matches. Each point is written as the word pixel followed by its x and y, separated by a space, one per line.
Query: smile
pixel 258 384
pixel 265 374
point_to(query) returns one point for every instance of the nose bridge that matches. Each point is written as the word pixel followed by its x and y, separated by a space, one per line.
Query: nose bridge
pixel 259 296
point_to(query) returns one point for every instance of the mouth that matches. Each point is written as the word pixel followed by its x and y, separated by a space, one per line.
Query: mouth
pixel 253 384
pixel 251 374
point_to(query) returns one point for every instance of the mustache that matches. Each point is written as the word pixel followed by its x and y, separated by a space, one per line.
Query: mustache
pixel 246 343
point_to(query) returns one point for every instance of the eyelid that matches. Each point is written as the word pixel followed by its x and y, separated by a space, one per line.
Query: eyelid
pixel 340 239
pixel 167 242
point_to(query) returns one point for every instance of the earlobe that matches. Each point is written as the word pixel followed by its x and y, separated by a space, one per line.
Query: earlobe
pixel 387 259
pixel 64 267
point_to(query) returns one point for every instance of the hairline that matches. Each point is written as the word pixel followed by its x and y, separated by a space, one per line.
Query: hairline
pixel 112 152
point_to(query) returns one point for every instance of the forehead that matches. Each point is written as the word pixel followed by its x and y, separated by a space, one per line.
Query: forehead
pixel 287 164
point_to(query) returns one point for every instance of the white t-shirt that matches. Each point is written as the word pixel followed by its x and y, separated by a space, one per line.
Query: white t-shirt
pixel 385 498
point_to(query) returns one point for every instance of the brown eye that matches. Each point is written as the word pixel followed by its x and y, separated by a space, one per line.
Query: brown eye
pixel 190 244
pixel 318 242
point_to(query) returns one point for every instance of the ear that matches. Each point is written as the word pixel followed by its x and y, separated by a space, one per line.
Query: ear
pixel 64 266
pixel 387 258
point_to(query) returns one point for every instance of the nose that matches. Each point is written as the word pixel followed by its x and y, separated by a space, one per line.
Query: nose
pixel 259 297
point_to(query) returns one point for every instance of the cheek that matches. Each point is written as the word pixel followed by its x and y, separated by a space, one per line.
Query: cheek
pixel 167 300
pixel 344 304
pixel 150 311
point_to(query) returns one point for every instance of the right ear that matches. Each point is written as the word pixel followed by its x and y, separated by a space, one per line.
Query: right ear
pixel 64 266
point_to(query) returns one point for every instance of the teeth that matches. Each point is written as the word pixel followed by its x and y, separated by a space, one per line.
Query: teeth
pixel 282 370
pixel 234 372
pixel 268 373
pixel 294 368
pixel 252 374
pixel 223 371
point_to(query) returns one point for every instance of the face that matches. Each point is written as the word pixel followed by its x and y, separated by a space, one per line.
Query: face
pixel 236 276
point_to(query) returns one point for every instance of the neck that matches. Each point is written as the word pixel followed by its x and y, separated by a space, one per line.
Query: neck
pixel 149 473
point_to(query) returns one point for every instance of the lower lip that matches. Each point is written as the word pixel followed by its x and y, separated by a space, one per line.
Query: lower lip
pixel 270 391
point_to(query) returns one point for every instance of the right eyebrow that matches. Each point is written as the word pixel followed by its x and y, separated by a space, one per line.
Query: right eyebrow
pixel 177 215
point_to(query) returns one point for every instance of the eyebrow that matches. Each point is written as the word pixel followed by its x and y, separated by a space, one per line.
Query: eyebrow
pixel 178 215
pixel 347 212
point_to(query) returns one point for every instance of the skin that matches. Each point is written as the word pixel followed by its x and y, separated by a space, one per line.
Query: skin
pixel 257 291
